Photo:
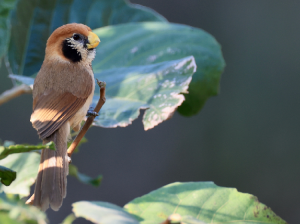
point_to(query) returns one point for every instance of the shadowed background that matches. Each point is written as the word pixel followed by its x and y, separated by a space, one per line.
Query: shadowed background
pixel 247 137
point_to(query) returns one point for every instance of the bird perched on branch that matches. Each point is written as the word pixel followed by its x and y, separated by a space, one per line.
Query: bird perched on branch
pixel 62 93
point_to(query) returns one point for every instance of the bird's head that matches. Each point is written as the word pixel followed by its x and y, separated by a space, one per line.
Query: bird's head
pixel 72 42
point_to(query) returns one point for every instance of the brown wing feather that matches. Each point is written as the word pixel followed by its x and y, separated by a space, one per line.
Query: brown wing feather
pixel 51 110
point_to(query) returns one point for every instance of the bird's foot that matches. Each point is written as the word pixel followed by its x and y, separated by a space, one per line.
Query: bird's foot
pixel 91 112
pixel 101 84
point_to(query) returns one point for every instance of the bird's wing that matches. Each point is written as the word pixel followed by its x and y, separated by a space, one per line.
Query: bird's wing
pixel 52 109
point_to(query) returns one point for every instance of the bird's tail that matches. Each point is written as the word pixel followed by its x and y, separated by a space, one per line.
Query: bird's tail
pixel 51 182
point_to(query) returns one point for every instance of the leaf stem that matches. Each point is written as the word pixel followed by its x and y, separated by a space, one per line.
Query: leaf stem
pixel 90 119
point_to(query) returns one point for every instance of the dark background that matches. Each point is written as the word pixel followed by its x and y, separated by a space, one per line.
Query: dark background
pixel 247 137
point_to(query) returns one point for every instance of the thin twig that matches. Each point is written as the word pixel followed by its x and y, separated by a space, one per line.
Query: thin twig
pixel 89 120
pixel 14 92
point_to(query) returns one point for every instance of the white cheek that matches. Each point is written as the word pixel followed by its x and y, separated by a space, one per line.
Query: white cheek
pixel 91 55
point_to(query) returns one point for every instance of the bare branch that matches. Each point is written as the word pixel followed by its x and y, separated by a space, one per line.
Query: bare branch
pixel 89 120
pixel 14 92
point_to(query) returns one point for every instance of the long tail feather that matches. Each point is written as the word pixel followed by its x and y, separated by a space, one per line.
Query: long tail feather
pixel 51 183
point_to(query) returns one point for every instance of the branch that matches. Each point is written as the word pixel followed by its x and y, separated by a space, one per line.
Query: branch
pixel 90 119
pixel 14 92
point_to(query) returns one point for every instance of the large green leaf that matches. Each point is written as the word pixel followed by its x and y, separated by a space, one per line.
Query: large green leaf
pixel 5 8
pixel 152 42
pixel 204 201
pixel 129 89
pixel 26 165
pixel 34 20
pixel 102 213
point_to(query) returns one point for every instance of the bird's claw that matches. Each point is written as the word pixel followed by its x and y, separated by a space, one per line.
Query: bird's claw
pixel 91 112
pixel 101 84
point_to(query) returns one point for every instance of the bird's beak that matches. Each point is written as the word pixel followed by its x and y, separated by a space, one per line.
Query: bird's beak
pixel 93 40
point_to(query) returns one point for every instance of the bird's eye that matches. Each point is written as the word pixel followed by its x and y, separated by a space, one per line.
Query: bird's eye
pixel 76 36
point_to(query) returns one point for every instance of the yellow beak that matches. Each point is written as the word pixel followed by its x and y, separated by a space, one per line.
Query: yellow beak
pixel 93 40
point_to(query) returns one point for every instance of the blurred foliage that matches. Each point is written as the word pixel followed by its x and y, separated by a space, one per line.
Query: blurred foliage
pixel 7 175
pixel 14 211
pixel 26 166
pixel 102 213
pixel 73 171
pixel 195 202
pixel 11 149
pixel 5 9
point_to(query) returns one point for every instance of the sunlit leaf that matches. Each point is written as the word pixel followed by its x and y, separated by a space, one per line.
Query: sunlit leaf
pixel 155 87
pixel 102 213
pixel 26 165
pixel 5 151
pixel 153 42
pixel 203 201
pixel 31 30
pixel 73 171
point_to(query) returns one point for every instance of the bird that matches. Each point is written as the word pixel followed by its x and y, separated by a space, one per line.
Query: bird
pixel 62 93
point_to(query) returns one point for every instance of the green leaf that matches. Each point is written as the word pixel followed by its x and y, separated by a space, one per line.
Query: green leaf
pixel 4 218
pixel 69 219
pixel 31 30
pixel 73 171
pixel 26 165
pixel 129 89
pixel 155 87
pixel 15 210
pixel 5 8
pixel 153 42
pixel 7 175
pixel 102 212
pixel 5 151
pixel 203 201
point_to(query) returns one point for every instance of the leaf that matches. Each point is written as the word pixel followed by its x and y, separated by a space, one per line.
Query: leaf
pixel 153 42
pixel 31 30
pixel 102 212
pixel 4 218
pixel 69 219
pixel 130 89
pixel 16 210
pixel 5 8
pixel 7 175
pixel 5 151
pixel 155 86
pixel 26 165
pixel 73 171
pixel 204 201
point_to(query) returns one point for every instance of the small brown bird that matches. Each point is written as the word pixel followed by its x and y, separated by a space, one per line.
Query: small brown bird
pixel 62 93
